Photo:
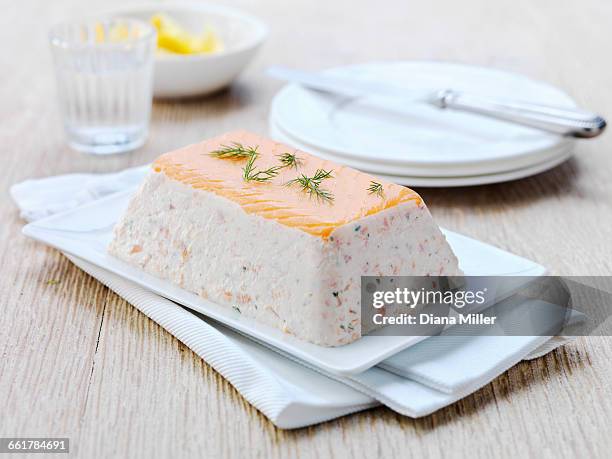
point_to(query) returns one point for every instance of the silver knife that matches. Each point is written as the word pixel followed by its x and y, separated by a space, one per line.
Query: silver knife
pixel 564 121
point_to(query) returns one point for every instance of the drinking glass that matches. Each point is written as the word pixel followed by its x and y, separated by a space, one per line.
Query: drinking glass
pixel 104 72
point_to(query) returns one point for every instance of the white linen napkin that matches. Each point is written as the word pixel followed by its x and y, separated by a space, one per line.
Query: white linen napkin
pixel 415 382
pixel 39 198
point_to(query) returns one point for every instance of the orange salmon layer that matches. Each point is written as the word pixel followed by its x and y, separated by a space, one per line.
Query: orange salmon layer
pixel 289 204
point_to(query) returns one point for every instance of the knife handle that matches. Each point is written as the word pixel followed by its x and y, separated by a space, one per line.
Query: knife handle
pixel 564 121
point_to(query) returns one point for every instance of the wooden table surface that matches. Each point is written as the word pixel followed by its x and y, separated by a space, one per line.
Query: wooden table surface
pixel 78 361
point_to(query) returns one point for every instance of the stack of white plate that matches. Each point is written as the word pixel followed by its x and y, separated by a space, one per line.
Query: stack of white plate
pixel 417 144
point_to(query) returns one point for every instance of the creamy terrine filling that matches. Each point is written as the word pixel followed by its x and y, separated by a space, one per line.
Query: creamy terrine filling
pixel 303 282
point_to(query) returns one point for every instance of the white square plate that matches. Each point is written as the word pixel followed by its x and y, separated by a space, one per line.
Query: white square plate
pixel 86 231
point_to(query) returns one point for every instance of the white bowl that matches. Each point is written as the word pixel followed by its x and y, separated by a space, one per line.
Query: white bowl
pixel 179 75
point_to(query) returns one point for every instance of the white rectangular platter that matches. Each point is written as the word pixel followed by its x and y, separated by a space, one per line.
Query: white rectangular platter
pixel 85 232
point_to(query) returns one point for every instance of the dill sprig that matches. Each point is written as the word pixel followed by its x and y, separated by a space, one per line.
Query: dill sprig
pixel 290 160
pixel 312 185
pixel 251 174
pixel 377 188
pixel 235 151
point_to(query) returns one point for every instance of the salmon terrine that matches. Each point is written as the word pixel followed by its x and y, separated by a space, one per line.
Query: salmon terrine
pixel 277 234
